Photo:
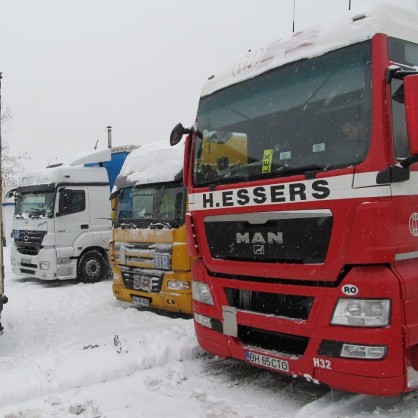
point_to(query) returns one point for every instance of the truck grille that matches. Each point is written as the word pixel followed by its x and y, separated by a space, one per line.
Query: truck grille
pixel 288 237
pixel 148 255
pixel 28 242
pixel 143 280
pixel 268 340
pixel 288 306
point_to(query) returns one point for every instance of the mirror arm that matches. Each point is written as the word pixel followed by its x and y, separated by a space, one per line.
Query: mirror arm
pixel 407 162
pixel 396 173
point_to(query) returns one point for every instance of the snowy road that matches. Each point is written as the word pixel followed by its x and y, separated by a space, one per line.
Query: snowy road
pixel 71 349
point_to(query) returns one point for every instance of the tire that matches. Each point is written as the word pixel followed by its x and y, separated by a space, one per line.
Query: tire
pixel 92 267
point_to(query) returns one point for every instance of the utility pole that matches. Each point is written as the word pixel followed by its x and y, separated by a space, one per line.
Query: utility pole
pixel 3 298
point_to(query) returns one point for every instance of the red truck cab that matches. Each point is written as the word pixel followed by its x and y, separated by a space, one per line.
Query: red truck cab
pixel 303 205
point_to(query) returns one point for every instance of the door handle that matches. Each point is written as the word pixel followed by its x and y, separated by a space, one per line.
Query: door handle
pixel 85 226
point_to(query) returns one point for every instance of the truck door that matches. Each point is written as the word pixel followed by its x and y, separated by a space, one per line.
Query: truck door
pixel 72 216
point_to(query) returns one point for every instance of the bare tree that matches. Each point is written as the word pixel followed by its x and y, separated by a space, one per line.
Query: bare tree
pixel 12 166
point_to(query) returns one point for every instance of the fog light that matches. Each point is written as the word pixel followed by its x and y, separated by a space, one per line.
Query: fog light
pixel 178 285
pixel 203 320
pixel 44 265
pixel 363 351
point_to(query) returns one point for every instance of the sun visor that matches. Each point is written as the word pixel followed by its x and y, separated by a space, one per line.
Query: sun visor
pixel 91 158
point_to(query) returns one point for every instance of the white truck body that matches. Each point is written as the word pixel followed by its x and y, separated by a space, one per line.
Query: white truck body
pixel 61 225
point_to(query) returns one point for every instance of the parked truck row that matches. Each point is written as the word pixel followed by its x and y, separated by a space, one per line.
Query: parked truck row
pixel 286 222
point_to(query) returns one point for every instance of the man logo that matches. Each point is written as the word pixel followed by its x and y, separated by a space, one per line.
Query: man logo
pixel 258 249
pixel 259 238
pixel 413 224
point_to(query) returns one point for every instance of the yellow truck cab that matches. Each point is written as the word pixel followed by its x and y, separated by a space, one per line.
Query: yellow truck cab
pixel 150 263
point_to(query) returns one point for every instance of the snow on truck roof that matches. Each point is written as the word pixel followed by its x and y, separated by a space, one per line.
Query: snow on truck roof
pixel 152 163
pixel 354 26
pixel 74 170
pixel 63 173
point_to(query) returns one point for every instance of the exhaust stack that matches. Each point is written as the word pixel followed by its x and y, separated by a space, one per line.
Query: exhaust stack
pixel 109 137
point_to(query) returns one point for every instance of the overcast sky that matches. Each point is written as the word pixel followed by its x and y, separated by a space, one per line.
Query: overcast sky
pixel 71 68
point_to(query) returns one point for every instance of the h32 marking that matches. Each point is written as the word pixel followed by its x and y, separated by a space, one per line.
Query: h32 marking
pixel 322 364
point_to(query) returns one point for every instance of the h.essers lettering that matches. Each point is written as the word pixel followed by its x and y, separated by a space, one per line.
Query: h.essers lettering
pixel 278 193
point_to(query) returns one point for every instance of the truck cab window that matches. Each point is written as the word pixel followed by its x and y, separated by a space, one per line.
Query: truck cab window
pixel 124 205
pixel 403 53
pixel 72 201
pixel 400 138
pixel 78 203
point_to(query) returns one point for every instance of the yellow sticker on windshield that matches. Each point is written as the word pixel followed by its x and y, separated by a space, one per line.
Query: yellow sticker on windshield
pixel 268 156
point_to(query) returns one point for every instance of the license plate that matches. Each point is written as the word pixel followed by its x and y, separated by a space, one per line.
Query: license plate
pixel 267 361
pixel 25 261
pixel 137 300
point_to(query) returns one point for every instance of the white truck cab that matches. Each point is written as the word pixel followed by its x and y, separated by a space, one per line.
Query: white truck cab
pixel 61 225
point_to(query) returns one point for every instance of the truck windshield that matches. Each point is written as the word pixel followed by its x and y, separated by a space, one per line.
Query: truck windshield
pixel 314 114
pixel 35 204
pixel 151 203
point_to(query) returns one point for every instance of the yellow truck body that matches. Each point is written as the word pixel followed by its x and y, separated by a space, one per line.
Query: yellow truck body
pixel 151 266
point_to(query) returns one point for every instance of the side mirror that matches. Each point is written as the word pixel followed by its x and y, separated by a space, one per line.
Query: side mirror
pixel 64 202
pixel 411 110
pixel 11 193
pixel 176 134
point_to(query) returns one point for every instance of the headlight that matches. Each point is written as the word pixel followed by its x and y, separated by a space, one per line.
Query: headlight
pixel 178 285
pixel 201 293
pixel 44 265
pixel 362 312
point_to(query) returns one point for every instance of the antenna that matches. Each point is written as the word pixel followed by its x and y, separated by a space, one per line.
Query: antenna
pixel 294 9
pixel 349 4
pixel 95 147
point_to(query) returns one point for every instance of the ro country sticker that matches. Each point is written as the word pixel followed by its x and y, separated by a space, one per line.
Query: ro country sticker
pixel 349 289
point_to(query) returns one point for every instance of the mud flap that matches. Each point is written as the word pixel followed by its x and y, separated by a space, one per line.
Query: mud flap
pixel 412 377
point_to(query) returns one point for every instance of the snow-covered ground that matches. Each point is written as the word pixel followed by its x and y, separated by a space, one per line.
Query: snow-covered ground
pixel 71 349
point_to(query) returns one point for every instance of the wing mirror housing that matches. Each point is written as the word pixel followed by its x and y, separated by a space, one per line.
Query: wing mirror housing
pixel 411 110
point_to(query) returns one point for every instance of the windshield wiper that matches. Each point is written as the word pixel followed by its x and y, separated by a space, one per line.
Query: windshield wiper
pixel 127 225
pixel 160 225
pixel 309 169
pixel 35 215
pixel 19 216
